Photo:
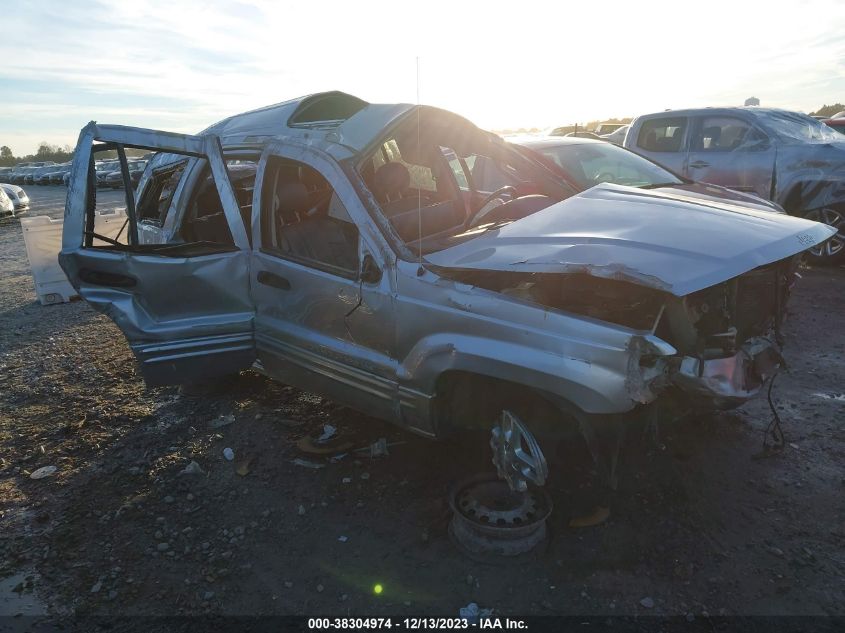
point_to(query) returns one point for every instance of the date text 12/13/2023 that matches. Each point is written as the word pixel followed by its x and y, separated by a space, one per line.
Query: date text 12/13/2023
pixel 492 623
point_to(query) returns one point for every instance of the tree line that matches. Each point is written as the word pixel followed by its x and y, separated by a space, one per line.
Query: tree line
pixel 45 152
pixel 828 110
pixel 55 153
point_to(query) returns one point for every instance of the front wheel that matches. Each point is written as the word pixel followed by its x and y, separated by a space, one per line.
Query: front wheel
pixel 833 250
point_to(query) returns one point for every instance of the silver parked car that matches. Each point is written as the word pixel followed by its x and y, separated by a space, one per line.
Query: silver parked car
pixel 346 248
pixel 586 163
pixel 786 157
pixel 617 137
pixel 7 207
pixel 17 195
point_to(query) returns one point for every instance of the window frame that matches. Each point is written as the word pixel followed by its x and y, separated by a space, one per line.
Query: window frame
pixel 684 144
pixel 151 183
pixel 207 148
pixel 266 221
pixel 698 131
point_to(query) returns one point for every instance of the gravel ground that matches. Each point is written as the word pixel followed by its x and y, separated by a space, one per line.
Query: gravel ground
pixel 698 525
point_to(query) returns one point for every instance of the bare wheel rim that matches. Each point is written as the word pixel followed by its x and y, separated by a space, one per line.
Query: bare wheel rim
pixel 834 218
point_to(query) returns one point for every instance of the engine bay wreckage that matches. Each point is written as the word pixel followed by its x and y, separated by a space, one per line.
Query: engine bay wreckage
pixel 401 261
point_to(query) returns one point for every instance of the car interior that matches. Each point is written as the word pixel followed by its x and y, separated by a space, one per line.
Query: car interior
pixel 662 135
pixel 204 219
pixel 436 188
pixel 305 219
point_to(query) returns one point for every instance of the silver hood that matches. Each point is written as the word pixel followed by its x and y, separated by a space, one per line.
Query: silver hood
pixel 676 243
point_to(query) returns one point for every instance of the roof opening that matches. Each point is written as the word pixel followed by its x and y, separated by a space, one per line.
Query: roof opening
pixel 327 109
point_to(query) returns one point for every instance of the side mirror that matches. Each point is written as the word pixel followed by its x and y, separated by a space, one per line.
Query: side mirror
pixel 370 272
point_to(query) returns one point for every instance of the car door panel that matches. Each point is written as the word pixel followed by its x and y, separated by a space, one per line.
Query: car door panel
pixel 745 165
pixel 663 140
pixel 184 308
pixel 316 329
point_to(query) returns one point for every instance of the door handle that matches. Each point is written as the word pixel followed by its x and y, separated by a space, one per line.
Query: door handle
pixel 699 163
pixel 272 279
pixel 103 278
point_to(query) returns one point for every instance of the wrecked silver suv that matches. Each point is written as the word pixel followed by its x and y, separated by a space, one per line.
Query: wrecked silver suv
pixel 345 248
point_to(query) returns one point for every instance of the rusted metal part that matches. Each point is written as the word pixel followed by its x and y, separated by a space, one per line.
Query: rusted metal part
pixel 489 519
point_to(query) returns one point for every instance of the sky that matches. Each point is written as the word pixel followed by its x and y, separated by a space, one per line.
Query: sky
pixel 181 65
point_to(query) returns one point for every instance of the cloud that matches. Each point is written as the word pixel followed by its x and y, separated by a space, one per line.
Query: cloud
pixel 182 65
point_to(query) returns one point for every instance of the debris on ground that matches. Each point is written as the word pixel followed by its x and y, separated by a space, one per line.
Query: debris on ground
pixel 472 613
pixel 599 515
pixel 243 464
pixel 329 442
pixel 192 469
pixel 647 602
pixel 292 424
pixel 307 463
pixel 329 432
pixel 221 421
pixel 377 448
pixel 44 471
pixel 229 454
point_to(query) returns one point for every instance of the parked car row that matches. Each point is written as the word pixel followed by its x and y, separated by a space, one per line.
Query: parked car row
pixel 50 173
pixel 24 173
pixel 110 174
pixel 403 262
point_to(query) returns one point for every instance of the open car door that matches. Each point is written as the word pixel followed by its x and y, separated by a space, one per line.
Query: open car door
pixel 184 303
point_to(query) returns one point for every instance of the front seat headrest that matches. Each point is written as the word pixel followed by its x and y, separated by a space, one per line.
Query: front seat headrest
pixel 391 179
pixel 311 179
pixel 291 198
pixel 714 134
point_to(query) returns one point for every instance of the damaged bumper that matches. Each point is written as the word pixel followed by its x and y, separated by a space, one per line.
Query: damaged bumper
pixel 725 383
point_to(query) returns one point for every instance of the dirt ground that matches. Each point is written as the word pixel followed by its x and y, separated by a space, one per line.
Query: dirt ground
pixel 698 527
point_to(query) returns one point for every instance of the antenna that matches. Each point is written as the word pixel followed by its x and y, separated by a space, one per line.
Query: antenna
pixel 420 269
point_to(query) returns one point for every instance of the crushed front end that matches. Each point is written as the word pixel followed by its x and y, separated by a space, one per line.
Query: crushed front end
pixel 728 336
pixel 711 349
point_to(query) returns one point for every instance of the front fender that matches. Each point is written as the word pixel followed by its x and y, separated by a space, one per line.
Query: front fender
pixel 598 385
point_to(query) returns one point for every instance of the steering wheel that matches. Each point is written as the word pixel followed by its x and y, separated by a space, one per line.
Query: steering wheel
pixel 605 177
pixel 509 189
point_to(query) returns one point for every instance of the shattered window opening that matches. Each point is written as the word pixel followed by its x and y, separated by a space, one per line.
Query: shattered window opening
pixel 203 226
pixel 155 200
pixel 304 219
pixel 435 186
